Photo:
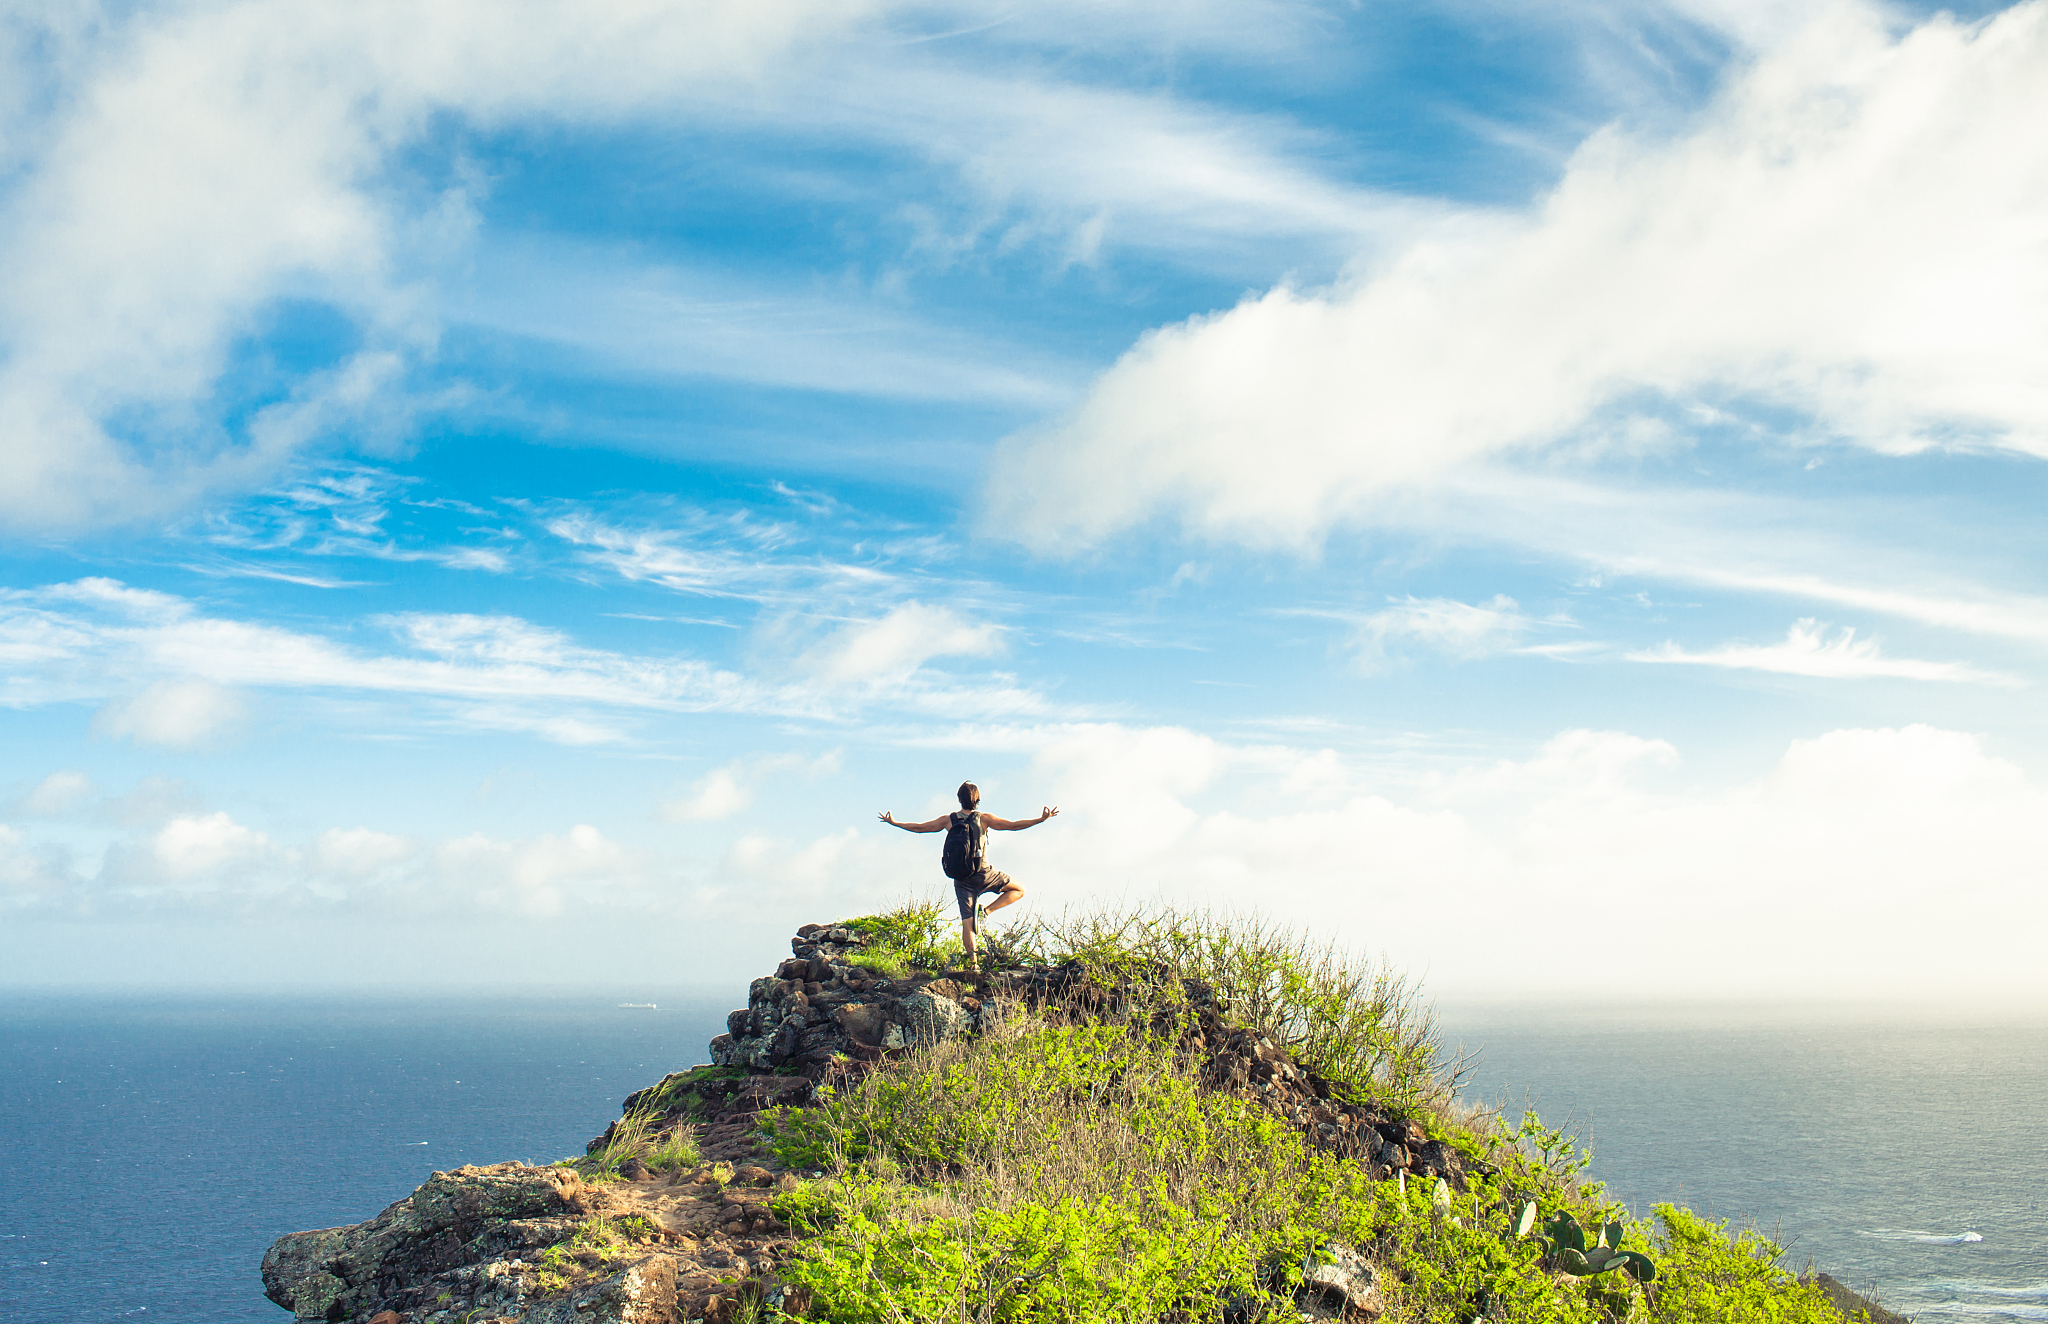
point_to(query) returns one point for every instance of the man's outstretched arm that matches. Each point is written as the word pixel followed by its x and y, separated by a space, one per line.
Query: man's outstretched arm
pixel 1018 824
pixel 936 825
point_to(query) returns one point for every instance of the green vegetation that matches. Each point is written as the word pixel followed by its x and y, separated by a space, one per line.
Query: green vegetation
pixel 1349 1019
pixel 1080 1172
pixel 914 936
pixel 679 1089
pixel 639 1134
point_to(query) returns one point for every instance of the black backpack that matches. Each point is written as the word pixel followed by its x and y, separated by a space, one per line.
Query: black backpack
pixel 966 842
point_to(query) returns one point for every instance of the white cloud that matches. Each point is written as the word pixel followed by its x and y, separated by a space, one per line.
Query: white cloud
pixel 726 791
pixel 181 169
pixel 544 876
pixel 887 649
pixel 488 672
pixel 359 853
pixel 1444 625
pixel 175 714
pixel 717 794
pixel 1812 878
pixel 58 794
pixel 1856 863
pixel 199 844
pixel 1807 651
pixel 1851 230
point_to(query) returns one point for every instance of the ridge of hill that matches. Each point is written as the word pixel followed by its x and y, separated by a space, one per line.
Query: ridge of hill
pixel 1125 1117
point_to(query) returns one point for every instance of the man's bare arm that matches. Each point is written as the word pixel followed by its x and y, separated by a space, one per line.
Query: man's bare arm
pixel 936 825
pixel 1018 824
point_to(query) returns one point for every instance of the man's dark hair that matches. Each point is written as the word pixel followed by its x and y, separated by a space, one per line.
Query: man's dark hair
pixel 970 795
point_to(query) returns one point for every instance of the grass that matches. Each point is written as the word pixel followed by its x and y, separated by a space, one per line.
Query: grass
pixel 914 936
pixel 1350 1018
pixel 639 1134
pixel 1080 1173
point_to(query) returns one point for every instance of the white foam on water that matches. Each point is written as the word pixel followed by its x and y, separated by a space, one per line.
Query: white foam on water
pixel 1925 1238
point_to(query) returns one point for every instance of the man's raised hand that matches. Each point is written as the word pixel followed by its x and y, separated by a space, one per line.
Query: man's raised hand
pixel 888 816
pixel 1047 811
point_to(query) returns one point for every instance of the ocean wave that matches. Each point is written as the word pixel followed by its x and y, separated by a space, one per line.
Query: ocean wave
pixel 1971 1309
pixel 1925 1238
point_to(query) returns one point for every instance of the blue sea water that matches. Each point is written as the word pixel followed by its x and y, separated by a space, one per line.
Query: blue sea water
pixel 1907 1157
pixel 154 1147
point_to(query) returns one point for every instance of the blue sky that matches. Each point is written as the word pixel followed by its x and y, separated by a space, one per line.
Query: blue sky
pixel 505 494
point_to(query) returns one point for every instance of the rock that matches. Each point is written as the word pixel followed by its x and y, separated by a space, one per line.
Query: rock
pixel 1437 1159
pixel 930 1018
pixel 316 1296
pixel 387 1317
pixel 454 1218
pixel 1344 1278
pixel 862 1022
pixel 642 1293
pixel 1850 1302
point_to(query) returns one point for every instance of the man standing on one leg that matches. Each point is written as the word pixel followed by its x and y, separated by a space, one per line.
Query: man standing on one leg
pixel 965 857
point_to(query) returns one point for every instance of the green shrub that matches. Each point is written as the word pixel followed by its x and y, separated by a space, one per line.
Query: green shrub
pixel 913 936
pixel 1708 1275
pixel 1349 1018
pixel 1049 1173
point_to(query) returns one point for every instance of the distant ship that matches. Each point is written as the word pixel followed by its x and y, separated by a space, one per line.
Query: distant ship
pixel 647 1006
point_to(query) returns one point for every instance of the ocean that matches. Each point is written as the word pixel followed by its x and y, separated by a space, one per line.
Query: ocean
pixel 154 1147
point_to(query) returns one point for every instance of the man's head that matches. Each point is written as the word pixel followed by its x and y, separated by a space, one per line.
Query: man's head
pixel 970 795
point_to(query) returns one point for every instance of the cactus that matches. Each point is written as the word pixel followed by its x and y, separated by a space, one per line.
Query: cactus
pixel 1574 1253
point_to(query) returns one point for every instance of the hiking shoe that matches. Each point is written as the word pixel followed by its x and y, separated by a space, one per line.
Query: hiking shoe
pixel 980 914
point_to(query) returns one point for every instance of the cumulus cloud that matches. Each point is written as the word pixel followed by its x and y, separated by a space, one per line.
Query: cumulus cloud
pixel 726 791
pixel 1851 232
pixel 1854 863
pixel 189 846
pixel 1807 651
pixel 717 794
pixel 175 714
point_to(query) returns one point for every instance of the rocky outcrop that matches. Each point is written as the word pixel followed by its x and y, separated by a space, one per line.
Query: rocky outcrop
pixel 435 1243
pixel 512 1244
pixel 822 1011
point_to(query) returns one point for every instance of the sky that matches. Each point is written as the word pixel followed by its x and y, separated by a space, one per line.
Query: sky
pixel 502 495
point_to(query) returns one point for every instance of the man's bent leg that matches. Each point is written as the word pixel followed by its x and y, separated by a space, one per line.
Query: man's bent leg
pixel 1009 892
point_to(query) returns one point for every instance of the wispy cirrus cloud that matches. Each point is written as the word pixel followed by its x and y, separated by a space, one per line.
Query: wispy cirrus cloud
pixel 94 639
pixel 1807 650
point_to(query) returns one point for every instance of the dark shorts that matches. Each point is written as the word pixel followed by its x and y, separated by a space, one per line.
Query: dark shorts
pixel 968 891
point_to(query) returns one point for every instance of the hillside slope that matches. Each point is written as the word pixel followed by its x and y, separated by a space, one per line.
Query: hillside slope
pixel 1131 1118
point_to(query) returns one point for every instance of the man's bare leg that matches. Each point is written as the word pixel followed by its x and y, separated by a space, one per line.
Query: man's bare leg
pixel 967 938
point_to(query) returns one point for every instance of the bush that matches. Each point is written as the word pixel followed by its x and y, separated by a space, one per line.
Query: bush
pixel 1707 1275
pixel 913 936
pixel 1048 1173
pixel 1349 1018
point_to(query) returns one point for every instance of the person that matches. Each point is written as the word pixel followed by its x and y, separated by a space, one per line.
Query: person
pixel 966 858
